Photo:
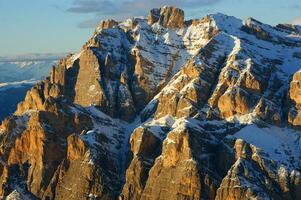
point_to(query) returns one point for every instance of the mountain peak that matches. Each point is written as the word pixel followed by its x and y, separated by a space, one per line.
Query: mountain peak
pixel 163 109
pixel 167 16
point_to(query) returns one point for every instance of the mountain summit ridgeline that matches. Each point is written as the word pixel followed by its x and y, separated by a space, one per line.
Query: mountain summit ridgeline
pixel 163 108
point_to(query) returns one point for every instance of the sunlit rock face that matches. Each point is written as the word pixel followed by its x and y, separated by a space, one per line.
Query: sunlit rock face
pixel 18 74
pixel 163 108
pixel 294 115
pixel 168 17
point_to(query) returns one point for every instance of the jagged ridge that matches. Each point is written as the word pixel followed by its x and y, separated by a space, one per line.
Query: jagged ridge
pixel 191 98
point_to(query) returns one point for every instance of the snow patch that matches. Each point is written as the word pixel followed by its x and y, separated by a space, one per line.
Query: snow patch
pixel 281 144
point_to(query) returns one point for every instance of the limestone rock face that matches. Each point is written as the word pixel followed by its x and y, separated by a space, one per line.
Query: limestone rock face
pixel 169 17
pixel 294 115
pixel 251 168
pixel 110 23
pixel 252 26
pixel 145 146
pixel 295 89
pixel 68 183
pixel 182 170
pixel 88 91
pixel 30 145
pixel 55 145
pixel 163 108
pixel 176 162
pixel 233 103
pixel 190 88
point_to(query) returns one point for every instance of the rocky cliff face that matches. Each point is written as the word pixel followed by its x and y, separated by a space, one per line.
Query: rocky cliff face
pixel 294 115
pixel 162 108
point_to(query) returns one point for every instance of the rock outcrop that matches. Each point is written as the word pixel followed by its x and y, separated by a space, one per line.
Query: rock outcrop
pixel 252 168
pixel 169 17
pixel 294 116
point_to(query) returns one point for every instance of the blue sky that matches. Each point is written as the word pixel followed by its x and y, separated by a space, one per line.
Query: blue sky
pixel 54 26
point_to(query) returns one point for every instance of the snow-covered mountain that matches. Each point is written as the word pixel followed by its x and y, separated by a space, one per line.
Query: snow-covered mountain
pixel 18 74
pixel 26 67
pixel 163 108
